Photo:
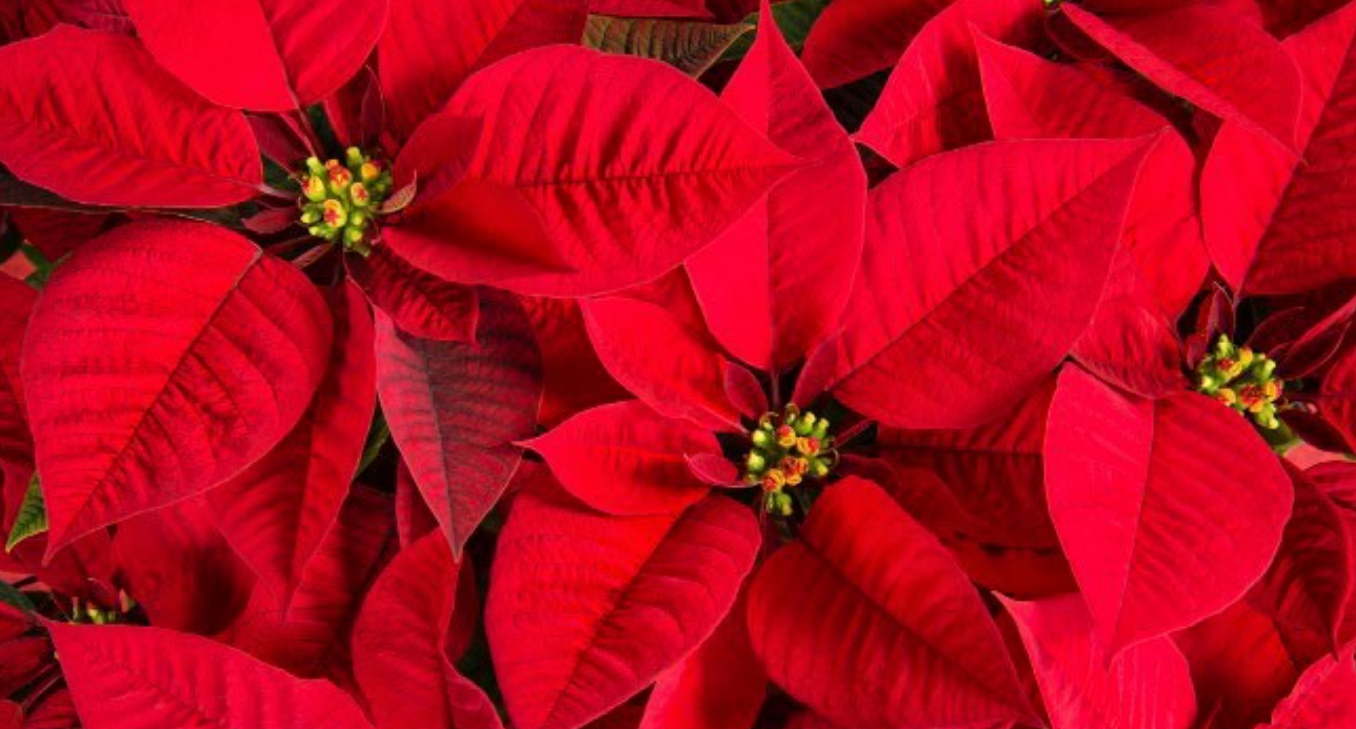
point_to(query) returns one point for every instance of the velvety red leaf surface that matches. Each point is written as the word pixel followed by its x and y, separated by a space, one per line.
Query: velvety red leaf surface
pixel 538 213
pixel 428 49
pixel 54 135
pixel 279 510
pixel 1168 510
pixel 456 408
pixel 399 645
pixel 161 360
pixel 122 677
pixel 1021 231
pixel 1274 219
pixel 922 649
pixel 263 55
pixel 657 587
pixel 1147 686
pixel 626 459
pixel 933 100
pixel 1235 71
pixel 418 304
pixel 1239 666
pixel 1324 697
pixel 762 301
pixel 662 359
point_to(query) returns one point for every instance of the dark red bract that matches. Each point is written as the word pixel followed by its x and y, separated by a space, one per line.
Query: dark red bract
pixel 677 364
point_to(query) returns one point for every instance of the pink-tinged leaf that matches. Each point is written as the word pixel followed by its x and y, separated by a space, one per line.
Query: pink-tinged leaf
pixel 1238 664
pixel 455 410
pixel 720 686
pixel 278 511
pixel 933 100
pixel 399 646
pixel 575 379
pixel 970 253
pixel 650 8
pixel 1168 510
pixel 774 285
pixel 162 359
pixel 123 677
pixel 1028 97
pixel 626 459
pixel 16 444
pixel 655 588
pixel 419 304
pixel 1208 56
pixel 178 568
pixel 53 133
pixel 264 55
pixel 662 360
pixel 428 50
pixel 648 166
pixel 1324 697
pixel 990 506
pixel 862 561
pixel 852 39
pixel 1145 687
pixel 1276 222
pixel 1308 585
pixel 310 636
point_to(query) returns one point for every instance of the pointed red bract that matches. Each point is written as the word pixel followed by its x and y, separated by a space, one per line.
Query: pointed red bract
pixel 1168 510
pixel 176 565
pixel 263 55
pixel 72 106
pixel 162 359
pixel 1145 687
pixel 643 168
pixel 278 511
pixel 773 285
pixel 1028 97
pixel 721 685
pixel 428 49
pixel 982 267
pixel 419 304
pixel 455 410
pixel 626 459
pixel 1208 56
pixel 933 101
pixel 856 38
pixel 1324 698
pixel 399 646
pixel 1275 221
pixel 661 359
pixel 123 677
pixel 922 649
pixel 655 588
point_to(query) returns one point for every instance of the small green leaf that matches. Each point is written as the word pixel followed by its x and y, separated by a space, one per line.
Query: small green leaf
pixel 376 438
pixel 32 517
pixel 690 47
pixel 12 597
pixel 794 18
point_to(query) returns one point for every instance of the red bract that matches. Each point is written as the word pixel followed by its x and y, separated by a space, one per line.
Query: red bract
pixel 819 364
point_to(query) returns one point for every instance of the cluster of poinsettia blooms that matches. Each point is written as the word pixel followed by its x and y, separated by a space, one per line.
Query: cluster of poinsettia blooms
pixel 678 364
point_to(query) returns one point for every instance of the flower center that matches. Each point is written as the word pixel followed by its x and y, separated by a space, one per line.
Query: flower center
pixel 1242 379
pixel 339 199
pixel 788 447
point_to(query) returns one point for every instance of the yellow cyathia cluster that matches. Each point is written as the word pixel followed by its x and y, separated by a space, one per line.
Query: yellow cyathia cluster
pixel 788 447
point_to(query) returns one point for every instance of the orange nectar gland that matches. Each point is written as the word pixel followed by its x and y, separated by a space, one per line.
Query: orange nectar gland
pixel 788 447
pixel 339 199
pixel 1244 380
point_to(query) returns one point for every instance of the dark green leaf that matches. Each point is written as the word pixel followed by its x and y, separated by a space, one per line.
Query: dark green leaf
pixel 690 47
pixel 32 517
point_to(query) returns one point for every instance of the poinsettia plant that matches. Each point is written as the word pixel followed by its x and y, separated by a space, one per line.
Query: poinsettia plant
pixel 677 364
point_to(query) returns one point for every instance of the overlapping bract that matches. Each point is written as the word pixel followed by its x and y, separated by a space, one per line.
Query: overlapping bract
pixel 848 364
